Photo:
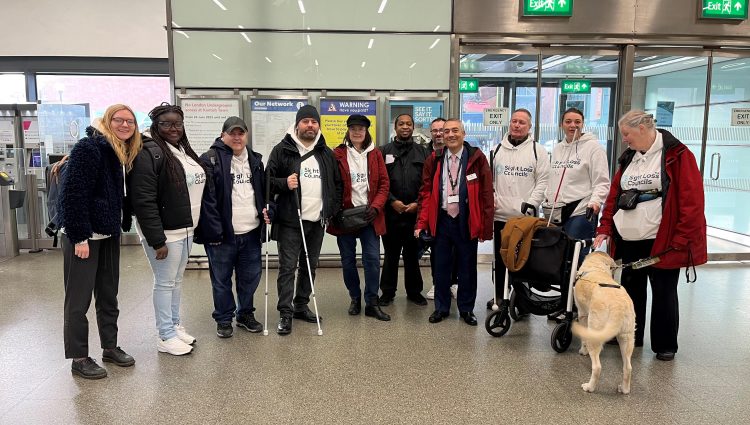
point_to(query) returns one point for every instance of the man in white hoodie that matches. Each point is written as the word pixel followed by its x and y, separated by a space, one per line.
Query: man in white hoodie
pixel 520 169
pixel 301 166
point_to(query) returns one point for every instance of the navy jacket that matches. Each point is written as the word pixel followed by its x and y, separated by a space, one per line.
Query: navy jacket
pixel 91 195
pixel 215 224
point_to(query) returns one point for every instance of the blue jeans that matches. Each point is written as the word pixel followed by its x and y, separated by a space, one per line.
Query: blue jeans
pixel 370 261
pixel 243 258
pixel 168 284
pixel 578 227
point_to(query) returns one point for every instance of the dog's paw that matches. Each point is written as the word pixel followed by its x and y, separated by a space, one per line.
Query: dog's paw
pixel 583 351
pixel 588 387
pixel 623 390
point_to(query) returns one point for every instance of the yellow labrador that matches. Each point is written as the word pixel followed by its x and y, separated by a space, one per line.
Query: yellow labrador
pixel 605 311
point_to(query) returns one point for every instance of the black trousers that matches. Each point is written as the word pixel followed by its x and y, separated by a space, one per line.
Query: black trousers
pixel 98 274
pixel 499 264
pixel 398 241
pixel 454 272
pixel 291 260
pixel 665 315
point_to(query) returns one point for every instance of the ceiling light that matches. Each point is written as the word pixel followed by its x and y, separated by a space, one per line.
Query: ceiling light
pixel 373 28
pixel 246 37
pixel 434 43
pixel 218 3
pixel 183 33
pixel 174 24
pixel 309 42
pixel 382 6
pixel 649 58
pixel 217 57
pixel 656 65
pixel 413 65
pixel 732 65
pixel 316 62
pixel 363 64
pixel 560 61
pixel 301 7
pixel 369 45
pixel 269 60
pixel 737 69
pixel 436 28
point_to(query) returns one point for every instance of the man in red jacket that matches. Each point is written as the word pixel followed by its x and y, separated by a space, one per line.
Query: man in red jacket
pixel 456 206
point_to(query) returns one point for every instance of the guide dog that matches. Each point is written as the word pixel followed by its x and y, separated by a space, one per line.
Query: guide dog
pixel 605 311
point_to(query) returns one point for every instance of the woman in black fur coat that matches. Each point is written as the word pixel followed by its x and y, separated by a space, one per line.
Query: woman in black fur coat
pixel 90 208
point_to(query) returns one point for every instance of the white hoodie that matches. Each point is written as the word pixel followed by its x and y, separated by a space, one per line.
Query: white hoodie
pixel 310 182
pixel 587 175
pixel 358 173
pixel 518 176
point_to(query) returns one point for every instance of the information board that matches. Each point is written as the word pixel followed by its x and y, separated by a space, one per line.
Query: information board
pixel 204 118
pixel 270 118
pixel 334 112
pixel 664 113
pixel 423 112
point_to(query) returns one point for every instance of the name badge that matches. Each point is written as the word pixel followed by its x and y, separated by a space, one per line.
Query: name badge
pixel 389 159
pixel 452 199
pixel 471 176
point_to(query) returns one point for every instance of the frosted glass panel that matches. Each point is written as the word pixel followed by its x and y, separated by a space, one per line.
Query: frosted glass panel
pixel 355 15
pixel 311 61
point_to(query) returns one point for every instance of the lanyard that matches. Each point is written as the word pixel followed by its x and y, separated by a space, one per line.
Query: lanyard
pixel 450 176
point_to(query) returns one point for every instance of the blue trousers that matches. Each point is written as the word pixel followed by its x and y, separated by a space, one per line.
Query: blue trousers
pixel 242 258
pixel 370 261
pixel 449 240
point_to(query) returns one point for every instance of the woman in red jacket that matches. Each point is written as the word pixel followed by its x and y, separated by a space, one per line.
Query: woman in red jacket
pixel 366 185
pixel 655 209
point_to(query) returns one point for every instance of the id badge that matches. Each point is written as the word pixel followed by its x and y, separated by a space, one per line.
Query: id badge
pixel 452 199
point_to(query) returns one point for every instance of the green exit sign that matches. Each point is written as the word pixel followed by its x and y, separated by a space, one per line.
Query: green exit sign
pixel 547 7
pixel 468 85
pixel 724 9
pixel 575 86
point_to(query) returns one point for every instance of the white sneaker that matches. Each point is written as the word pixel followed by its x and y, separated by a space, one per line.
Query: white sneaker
pixel 183 335
pixel 431 293
pixel 173 346
pixel 454 291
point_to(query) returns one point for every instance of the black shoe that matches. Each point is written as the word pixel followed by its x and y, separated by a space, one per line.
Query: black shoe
pixel 666 356
pixel 385 300
pixel 417 299
pixel 438 316
pixel 88 369
pixel 118 357
pixel 355 307
pixel 224 330
pixel 376 312
pixel 285 326
pixel 248 323
pixel 469 318
pixel 306 315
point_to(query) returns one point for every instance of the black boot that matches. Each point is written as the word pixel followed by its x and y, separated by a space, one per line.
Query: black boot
pixel 373 310
pixel 355 307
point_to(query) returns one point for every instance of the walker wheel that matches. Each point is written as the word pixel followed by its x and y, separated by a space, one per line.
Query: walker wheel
pixel 498 322
pixel 562 337
pixel 516 313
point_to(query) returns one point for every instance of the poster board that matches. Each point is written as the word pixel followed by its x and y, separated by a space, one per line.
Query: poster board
pixel 204 117
pixel 270 118
pixel 422 109
pixel 335 111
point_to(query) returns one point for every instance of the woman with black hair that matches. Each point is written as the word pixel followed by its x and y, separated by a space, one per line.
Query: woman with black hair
pixel 166 188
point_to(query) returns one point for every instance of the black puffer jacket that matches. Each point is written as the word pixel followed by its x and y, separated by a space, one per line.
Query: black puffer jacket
pixel 404 162
pixel 283 161
pixel 157 203
pixel 91 194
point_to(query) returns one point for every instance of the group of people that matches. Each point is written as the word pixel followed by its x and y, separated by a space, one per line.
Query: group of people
pixel 447 193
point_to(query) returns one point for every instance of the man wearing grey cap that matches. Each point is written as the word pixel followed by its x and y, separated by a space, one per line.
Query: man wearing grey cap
pixel 232 226
pixel 301 166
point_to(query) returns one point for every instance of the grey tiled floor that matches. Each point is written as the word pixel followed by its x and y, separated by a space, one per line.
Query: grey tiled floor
pixel 361 370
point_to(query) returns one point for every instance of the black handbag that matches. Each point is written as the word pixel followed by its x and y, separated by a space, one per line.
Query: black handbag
pixel 628 199
pixel 352 219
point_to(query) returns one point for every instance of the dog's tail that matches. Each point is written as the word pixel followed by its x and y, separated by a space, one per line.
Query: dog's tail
pixel 599 336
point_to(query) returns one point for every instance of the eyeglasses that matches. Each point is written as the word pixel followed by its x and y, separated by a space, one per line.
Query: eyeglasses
pixel 436 131
pixel 166 125
pixel 121 121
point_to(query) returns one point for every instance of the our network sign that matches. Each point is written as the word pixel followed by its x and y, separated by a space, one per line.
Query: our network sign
pixel 548 7
pixel 724 9
pixel 468 85
pixel 575 86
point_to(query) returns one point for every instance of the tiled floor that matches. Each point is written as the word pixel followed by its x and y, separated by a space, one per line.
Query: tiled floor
pixel 361 370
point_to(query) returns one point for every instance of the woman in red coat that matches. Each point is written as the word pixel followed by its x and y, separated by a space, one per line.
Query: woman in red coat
pixel 366 184
pixel 655 209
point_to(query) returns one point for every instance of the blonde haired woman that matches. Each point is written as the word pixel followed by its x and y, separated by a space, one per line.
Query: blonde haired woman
pixel 90 208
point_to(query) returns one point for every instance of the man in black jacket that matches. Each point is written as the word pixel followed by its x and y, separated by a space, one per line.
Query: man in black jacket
pixel 232 226
pixel 403 160
pixel 303 174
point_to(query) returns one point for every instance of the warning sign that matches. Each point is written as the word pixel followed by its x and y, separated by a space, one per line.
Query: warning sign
pixel 496 116
pixel 741 116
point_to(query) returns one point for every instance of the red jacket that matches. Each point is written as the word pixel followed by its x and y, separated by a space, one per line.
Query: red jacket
pixel 379 186
pixel 683 223
pixel 479 193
